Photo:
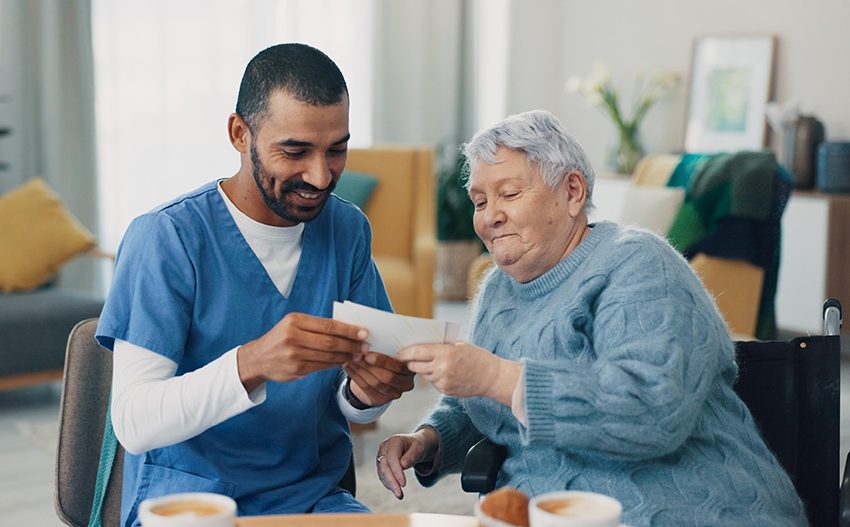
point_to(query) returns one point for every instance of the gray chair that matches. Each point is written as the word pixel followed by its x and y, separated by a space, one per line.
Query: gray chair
pixel 82 415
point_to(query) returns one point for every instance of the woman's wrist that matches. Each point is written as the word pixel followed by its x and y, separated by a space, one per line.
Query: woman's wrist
pixel 430 440
pixel 505 378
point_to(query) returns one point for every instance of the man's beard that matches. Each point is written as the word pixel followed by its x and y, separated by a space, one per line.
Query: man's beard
pixel 289 212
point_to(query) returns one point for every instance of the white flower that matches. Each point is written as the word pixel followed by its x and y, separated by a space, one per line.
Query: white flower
pixel 599 75
pixel 574 84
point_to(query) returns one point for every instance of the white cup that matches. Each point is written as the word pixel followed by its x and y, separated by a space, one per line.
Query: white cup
pixel 571 508
pixel 190 509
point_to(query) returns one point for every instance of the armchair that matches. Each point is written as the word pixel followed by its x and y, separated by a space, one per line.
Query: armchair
pixel 401 212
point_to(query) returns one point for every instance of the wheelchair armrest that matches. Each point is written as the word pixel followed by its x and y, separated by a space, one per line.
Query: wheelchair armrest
pixel 481 466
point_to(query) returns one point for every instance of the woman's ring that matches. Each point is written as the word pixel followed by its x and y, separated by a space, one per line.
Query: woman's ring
pixel 379 459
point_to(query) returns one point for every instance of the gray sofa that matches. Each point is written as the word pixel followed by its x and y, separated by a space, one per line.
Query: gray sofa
pixel 34 328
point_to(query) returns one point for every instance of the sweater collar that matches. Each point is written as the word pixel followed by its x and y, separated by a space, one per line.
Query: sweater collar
pixel 552 278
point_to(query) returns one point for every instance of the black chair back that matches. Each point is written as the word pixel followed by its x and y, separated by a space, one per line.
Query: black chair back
pixel 793 392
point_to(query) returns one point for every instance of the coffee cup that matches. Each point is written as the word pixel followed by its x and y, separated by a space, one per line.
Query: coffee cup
pixel 190 509
pixel 574 509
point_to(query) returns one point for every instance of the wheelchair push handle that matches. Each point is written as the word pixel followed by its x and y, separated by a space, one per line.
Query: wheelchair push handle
pixel 831 317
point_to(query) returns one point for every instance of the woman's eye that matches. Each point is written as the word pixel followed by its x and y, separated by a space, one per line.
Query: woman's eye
pixel 479 205
pixel 509 195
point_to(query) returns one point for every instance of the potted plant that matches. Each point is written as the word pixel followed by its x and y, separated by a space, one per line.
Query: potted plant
pixel 457 244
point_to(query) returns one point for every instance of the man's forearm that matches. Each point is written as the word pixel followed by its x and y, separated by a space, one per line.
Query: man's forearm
pixel 151 408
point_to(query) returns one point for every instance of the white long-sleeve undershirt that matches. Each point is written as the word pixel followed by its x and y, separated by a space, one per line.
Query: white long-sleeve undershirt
pixel 151 408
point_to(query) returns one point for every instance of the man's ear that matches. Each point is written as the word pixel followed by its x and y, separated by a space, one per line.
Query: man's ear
pixel 240 135
pixel 576 188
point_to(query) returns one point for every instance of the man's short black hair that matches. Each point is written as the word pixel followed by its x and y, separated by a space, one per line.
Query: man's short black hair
pixel 301 71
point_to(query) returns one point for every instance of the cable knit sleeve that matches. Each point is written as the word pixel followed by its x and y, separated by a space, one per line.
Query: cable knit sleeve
pixel 657 342
pixel 457 435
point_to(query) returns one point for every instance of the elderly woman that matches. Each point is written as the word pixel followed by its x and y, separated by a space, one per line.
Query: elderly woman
pixel 597 357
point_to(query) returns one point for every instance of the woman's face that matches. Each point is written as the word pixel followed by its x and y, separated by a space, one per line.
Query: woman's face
pixel 527 226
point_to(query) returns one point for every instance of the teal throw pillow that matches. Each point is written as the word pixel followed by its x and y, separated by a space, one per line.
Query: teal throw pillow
pixel 356 188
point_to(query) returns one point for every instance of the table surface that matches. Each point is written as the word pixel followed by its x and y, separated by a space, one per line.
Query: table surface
pixel 359 520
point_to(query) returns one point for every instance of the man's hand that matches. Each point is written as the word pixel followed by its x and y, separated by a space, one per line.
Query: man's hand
pixel 463 370
pixel 378 379
pixel 296 346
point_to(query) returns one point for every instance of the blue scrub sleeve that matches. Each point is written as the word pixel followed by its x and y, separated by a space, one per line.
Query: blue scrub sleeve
pixel 151 298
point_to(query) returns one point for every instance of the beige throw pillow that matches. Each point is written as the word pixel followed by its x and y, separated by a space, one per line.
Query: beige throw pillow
pixel 37 236
pixel 652 208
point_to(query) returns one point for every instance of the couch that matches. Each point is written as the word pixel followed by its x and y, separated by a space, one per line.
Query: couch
pixel 403 218
pixel 34 328
pixel 38 236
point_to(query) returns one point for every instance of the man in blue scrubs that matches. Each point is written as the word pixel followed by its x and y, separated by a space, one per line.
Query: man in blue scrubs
pixel 230 377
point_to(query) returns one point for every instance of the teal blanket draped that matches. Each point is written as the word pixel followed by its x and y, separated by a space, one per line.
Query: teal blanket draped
pixel 733 206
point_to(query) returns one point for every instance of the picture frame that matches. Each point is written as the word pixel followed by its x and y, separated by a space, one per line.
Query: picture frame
pixel 731 82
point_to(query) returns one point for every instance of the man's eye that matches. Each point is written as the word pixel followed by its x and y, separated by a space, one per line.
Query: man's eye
pixel 294 154
pixel 338 151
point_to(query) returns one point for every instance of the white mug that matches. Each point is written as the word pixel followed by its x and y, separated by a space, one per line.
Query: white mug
pixel 571 508
pixel 190 509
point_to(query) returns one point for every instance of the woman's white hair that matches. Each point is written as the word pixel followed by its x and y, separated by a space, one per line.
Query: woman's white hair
pixel 539 135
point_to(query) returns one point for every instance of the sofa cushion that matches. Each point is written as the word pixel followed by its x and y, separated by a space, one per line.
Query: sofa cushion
pixel 35 327
pixel 356 188
pixel 37 236
pixel 652 208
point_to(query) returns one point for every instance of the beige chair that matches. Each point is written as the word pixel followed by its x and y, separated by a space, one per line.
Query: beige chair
pixel 82 415
pixel 402 213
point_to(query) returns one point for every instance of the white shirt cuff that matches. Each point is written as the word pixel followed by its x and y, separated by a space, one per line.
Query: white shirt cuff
pixel 353 414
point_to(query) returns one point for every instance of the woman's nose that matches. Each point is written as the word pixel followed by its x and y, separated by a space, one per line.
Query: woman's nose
pixel 494 215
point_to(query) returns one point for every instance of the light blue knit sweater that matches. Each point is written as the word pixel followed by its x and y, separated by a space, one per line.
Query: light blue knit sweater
pixel 628 372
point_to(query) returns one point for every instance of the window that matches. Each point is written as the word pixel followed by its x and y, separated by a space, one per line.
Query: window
pixel 166 78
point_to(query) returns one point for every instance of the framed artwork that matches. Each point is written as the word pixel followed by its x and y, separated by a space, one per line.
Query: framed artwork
pixel 731 82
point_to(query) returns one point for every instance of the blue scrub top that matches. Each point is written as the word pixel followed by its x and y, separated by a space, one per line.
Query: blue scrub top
pixel 188 286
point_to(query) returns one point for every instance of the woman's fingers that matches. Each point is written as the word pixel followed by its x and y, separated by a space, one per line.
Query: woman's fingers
pixel 388 456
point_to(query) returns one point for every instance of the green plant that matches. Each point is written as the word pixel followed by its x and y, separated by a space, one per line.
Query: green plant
pixel 454 208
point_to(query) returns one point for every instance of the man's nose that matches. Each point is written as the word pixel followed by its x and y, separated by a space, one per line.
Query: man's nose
pixel 318 173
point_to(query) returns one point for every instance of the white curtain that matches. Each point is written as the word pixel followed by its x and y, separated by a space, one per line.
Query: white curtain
pixel 167 78
pixel 47 99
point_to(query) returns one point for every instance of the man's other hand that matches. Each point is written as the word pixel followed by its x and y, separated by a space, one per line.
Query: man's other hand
pixel 377 379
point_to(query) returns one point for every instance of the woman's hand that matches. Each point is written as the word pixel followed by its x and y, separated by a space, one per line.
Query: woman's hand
pixel 400 452
pixel 463 370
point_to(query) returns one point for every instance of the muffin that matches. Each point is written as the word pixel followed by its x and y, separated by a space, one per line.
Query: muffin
pixel 507 505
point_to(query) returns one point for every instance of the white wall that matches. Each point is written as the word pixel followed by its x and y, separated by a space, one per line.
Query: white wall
pixel 812 64
pixel 812 57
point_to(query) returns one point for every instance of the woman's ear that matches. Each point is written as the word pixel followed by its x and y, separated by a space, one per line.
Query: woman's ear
pixel 576 188
pixel 239 133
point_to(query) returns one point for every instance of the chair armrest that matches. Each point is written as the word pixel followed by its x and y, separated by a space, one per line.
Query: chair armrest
pixel 844 496
pixel 481 466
